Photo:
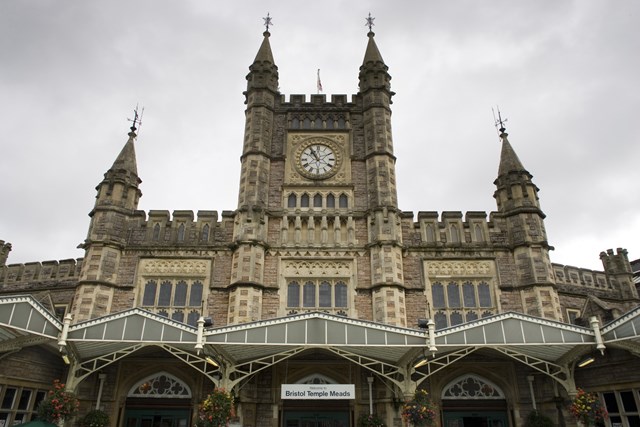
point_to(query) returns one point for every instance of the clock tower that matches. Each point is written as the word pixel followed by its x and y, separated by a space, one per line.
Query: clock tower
pixel 318 226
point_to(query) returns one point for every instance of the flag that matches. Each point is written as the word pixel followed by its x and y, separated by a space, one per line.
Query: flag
pixel 319 82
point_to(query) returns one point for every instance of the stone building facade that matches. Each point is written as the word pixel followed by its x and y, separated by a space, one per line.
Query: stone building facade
pixel 318 280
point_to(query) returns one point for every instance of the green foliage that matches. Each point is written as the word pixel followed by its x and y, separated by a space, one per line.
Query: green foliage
pixel 58 404
pixel 536 419
pixel 370 420
pixel 95 418
pixel 216 409
pixel 586 407
pixel 420 411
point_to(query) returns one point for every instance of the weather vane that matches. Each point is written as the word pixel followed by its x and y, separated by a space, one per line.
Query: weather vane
pixel 498 121
pixel 137 119
pixel 369 23
pixel 267 22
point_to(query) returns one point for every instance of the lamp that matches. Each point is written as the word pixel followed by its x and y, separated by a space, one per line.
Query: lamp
pixel 210 360
pixel 423 323
pixel 421 361
pixel 586 361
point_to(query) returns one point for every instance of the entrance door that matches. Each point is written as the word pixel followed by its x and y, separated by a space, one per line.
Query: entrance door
pixel 475 419
pixel 316 418
pixel 156 418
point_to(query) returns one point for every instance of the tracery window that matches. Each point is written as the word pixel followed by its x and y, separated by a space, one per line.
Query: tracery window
pixel 460 301
pixel 178 300
pixel 161 385
pixel 317 294
pixel 471 387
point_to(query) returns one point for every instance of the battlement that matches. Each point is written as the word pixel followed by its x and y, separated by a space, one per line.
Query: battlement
pixel 453 228
pixel 570 275
pixel 45 271
pixel 616 263
pixel 317 101
pixel 182 227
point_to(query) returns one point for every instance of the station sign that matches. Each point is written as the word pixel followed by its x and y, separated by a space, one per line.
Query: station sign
pixel 318 391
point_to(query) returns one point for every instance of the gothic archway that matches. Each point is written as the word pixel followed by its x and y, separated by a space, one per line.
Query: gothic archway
pixel 159 400
pixel 473 401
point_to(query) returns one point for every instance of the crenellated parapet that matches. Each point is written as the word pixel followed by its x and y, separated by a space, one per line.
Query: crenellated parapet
pixel 180 228
pixel 453 229
pixel 34 276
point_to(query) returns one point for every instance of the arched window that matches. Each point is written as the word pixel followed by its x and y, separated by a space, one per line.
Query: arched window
pixel 309 295
pixel 180 296
pixel 478 233
pixel 156 232
pixel 149 297
pixel 330 123
pixel 341 294
pixel 317 201
pixel 431 235
pixel 468 294
pixel 343 201
pixel 324 294
pixel 455 234
pixel 440 319
pixel 453 295
pixel 471 386
pixel 195 297
pixel 160 385
pixel 306 124
pixel 295 123
pixel 181 232
pixel 331 201
pixel 318 124
pixel 304 200
pixel 484 295
pixel 341 123
pixel 292 200
pixel 205 233
pixel 293 294
pixel 437 295
pixel 164 299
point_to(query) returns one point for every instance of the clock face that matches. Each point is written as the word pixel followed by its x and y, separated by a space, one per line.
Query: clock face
pixel 318 160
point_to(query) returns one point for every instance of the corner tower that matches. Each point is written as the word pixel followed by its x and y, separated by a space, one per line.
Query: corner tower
pixel 385 234
pixel 250 231
pixel 117 198
pixel 518 204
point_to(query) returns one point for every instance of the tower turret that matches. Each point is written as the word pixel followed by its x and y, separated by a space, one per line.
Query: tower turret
pixel 247 275
pixel 517 199
pixel 117 198
pixel 618 268
pixel 383 216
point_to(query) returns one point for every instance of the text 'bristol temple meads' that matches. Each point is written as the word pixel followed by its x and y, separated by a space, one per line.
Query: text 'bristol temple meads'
pixel 317 300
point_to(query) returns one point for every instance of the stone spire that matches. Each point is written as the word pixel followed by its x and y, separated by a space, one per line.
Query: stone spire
pixel 120 186
pixel 515 189
pixel 509 161
pixel 373 71
pixel 263 73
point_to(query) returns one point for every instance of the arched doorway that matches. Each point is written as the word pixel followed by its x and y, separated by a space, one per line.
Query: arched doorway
pixel 159 400
pixel 473 401
pixel 315 413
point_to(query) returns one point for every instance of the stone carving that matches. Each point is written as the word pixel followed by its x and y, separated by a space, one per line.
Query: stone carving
pixel 459 268
pixel 317 268
pixel 173 267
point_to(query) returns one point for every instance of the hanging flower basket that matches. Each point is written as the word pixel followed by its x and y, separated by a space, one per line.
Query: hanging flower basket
pixel 420 411
pixel 58 405
pixel 95 418
pixel 370 420
pixel 216 409
pixel 587 408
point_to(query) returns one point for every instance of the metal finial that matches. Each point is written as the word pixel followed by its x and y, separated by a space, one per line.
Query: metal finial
pixel 137 119
pixel 498 121
pixel 267 22
pixel 370 23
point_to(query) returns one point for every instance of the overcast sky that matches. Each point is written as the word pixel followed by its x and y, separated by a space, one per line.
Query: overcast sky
pixel 565 74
